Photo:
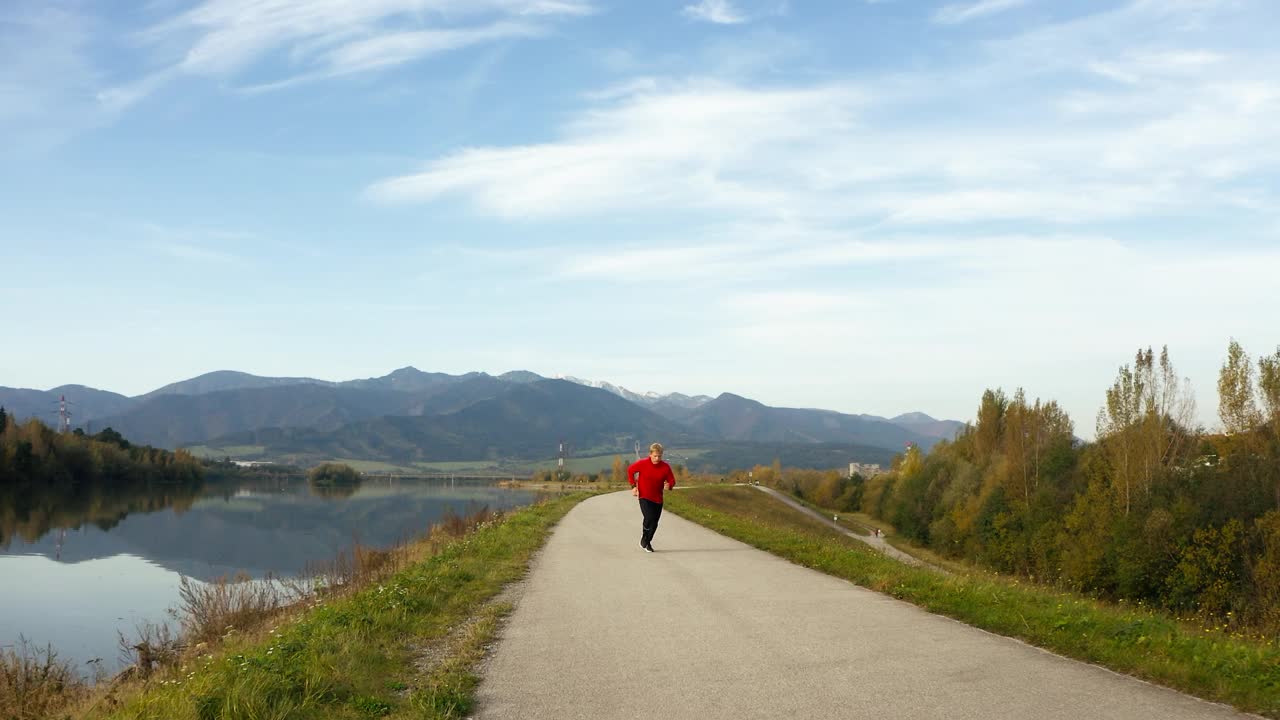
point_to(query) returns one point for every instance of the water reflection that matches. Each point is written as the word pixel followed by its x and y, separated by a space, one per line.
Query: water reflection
pixel 79 563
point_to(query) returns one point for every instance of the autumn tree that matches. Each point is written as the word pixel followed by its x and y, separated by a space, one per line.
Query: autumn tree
pixel 1269 389
pixel 990 424
pixel 1236 404
pixel 1144 425
pixel 1017 423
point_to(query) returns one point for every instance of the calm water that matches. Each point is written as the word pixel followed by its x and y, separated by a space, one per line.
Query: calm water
pixel 75 570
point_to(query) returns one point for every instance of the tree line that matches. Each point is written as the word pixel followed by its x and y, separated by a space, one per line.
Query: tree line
pixel 1155 510
pixel 33 453
pixel 50 479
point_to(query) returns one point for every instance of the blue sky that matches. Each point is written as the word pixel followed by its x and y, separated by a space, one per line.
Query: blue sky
pixel 863 206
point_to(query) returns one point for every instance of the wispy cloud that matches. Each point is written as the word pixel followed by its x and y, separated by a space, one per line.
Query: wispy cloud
pixel 908 150
pixel 397 48
pixel 230 38
pixel 678 148
pixel 962 13
pixel 195 253
pixel 47 75
pixel 201 245
pixel 720 12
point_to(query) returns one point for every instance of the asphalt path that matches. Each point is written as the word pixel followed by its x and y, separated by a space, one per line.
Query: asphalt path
pixel 709 628
pixel 879 543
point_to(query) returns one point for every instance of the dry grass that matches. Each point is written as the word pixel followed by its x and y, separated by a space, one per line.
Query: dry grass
pixel 209 611
pixel 154 647
pixel 35 684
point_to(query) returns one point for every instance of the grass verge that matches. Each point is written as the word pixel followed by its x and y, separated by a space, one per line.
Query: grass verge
pixel 1205 662
pixel 361 655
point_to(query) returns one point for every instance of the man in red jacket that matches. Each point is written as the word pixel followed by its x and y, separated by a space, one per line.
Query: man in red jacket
pixel 647 478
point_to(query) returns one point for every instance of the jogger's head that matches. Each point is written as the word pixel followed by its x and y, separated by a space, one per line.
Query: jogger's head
pixel 655 452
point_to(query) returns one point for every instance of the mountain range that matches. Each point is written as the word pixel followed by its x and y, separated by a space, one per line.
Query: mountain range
pixel 413 416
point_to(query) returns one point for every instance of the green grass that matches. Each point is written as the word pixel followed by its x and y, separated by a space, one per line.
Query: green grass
pixel 372 466
pixel 588 464
pixel 488 466
pixel 354 657
pixel 604 462
pixel 847 520
pixel 1206 662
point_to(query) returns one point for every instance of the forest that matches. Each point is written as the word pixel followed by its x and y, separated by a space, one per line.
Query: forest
pixel 1155 510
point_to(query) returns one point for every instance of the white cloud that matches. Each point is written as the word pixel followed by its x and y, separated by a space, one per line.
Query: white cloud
pixel 955 14
pixel 227 38
pixel 926 149
pixel 686 147
pixel 401 47
pixel 720 12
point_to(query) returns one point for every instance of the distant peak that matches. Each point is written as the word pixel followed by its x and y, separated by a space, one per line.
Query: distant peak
pixel 521 376
pixel 729 397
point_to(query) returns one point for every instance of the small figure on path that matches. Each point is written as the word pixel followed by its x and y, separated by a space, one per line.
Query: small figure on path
pixel 647 478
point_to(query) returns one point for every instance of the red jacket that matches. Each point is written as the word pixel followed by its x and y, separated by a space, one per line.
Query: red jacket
pixel 650 477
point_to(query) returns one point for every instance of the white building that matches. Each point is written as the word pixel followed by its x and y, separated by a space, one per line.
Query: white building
pixel 866 470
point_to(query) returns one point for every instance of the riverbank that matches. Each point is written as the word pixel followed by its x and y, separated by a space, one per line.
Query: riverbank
pixel 566 486
pixel 1206 662
pixel 399 644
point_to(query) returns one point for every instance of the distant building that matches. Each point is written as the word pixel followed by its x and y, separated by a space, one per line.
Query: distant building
pixel 252 463
pixel 866 470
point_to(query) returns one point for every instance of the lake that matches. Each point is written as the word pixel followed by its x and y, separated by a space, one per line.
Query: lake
pixel 78 567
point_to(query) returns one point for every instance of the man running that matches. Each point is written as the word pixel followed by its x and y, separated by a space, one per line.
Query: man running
pixel 647 478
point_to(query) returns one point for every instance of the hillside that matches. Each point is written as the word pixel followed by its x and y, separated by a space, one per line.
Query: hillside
pixel 86 402
pixel 525 420
pixel 173 420
pixel 220 380
pixel 928 426
pixel 379 417
pixel 735 418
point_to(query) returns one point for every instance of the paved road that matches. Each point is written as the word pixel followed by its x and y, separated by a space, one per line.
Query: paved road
pixel 710 628
pixel 878 543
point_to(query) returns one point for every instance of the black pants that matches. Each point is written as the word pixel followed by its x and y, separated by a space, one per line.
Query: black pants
pixel 651 511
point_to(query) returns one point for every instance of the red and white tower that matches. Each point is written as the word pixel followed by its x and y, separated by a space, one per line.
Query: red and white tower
pixel 64 415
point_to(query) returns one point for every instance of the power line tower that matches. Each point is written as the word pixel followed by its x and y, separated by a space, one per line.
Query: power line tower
pixel 64 414
pixel 560 457
pixel 637 449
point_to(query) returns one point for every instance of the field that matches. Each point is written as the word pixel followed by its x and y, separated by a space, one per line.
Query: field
pixel 373 466
pixel 487 466
pixel 604 463
pixel 235 452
